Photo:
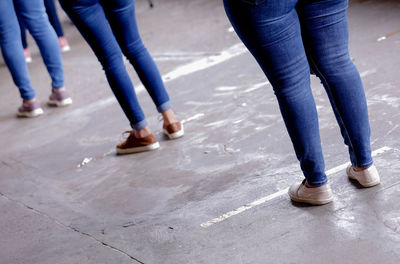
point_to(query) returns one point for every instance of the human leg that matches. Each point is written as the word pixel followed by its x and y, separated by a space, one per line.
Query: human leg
pixel 27 53
pixel 35 19
pixel 23 32
pixel 55 23
pixel 88 16
pixel 271 32
pixel 325 36
pixel 53 17
pixel 122 18
pixel 11 47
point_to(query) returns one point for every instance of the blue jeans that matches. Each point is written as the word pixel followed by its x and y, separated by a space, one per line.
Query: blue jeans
pixel 35 18
pixel 287 38
pixel 110 29
pixel 53 18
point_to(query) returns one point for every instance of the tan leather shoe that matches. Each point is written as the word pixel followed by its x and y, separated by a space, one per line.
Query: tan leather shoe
pixel 299 192
pixel 367 178
pixel 174 130
pixel 133 144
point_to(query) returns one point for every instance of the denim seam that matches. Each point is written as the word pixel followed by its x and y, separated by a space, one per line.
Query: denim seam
pixel 334 105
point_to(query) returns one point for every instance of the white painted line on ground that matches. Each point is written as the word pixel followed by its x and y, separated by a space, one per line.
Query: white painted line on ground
pixel 196 116
pixel 256 86
pixel 181 56
pixel 206 62
pixel 278 194
pixel 367 72
pixel 226 88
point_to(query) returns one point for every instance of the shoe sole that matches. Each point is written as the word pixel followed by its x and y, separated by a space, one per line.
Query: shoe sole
pixel 366 185
pixel 34 113
pixel 175 135
pixel 138 149
pixel 313 202
pixel 65 48
pixel 64 102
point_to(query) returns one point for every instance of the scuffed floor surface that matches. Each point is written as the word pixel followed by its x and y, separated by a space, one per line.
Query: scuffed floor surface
pixel 218 194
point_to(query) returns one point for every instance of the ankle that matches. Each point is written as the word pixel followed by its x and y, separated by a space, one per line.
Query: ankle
pixel 58 90
pixel 29 101
pixel 359 169
pixel 169 117
pixel 141 133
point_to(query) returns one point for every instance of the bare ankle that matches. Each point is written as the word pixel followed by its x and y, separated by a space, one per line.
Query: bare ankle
pixel 29 101
pixel 141 133
pixel 359 169
pixel 57 90
pixel 169 117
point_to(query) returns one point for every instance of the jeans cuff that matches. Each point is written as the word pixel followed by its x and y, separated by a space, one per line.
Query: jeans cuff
pixel 29 96
pixel 164 107
pixel 57 85
pixel 140 125
pixel 364 165
pixel 317 183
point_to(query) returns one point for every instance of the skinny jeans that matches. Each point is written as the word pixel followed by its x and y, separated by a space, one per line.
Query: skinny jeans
pixel 287 38
pixel 110 29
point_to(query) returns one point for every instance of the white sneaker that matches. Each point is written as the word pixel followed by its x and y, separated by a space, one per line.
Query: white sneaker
pixel 367 178
pixel 299 192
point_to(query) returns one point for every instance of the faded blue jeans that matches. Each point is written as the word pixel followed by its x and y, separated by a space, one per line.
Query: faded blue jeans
pixel 110 29
pixel 287 38
pixel 35 18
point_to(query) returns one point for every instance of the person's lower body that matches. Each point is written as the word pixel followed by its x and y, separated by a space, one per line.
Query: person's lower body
pixel 32 15
pixel 110 29
pixel 11 47
pixel 284 37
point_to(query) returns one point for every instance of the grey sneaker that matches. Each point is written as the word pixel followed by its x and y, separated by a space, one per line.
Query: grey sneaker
pixel 60 98
pixel 299 192
pixel 367 178
pixel 30 109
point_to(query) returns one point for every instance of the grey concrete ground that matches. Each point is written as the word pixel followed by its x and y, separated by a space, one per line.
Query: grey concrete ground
pixel 65 197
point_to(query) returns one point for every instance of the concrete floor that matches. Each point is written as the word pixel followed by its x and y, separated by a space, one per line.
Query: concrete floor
pixel 218 194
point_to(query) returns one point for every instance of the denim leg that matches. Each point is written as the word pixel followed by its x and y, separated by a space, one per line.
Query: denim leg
pixel 88 16
pixel 35 19
pixel 325 34
pixel 23 32
pixel 11 47
pixel 271 32
pixel 53 17
pixel 122 18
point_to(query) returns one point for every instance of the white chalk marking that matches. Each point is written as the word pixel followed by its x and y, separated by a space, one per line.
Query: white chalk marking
pixel 381 38
pixel 367 72
pixel 204 103
pixel 196 116
pixel 216 123
pixel 206 62
pixel 226 88
pixel 278 194
pixel 181 56
pixel 255 87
